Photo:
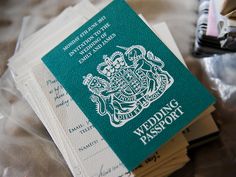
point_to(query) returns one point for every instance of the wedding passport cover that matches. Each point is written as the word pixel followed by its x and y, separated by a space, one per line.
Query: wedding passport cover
pixel 131 87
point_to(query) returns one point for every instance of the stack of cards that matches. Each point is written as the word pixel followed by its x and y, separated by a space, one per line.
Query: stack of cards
pixel 84 148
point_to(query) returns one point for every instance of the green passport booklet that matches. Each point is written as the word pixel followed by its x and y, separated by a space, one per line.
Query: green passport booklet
pixel 132 88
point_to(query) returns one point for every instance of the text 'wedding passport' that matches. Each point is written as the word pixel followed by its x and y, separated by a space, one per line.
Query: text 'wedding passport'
pixel 131 87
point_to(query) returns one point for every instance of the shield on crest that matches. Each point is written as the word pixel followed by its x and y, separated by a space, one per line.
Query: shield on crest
pixel 132 81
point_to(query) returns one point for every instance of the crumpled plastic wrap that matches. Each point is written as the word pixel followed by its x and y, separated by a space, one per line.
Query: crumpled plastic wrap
pixel 218 158
pixel 221 71
pixel 26 149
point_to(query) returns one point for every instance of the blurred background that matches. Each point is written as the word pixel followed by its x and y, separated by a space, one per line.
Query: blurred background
pixel 205 32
